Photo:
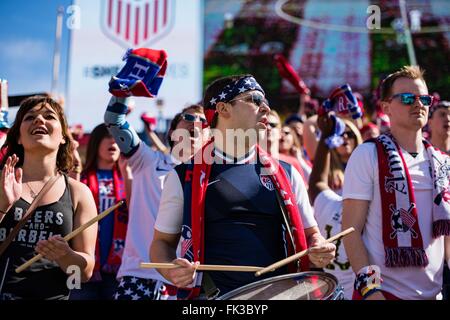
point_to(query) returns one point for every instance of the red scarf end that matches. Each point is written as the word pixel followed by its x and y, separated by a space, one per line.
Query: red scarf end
pixel 441 228
pixel 405 257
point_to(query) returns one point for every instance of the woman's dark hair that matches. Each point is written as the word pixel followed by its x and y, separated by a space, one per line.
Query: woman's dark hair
pixel 64 160
pixel 216 87
pixel 97 135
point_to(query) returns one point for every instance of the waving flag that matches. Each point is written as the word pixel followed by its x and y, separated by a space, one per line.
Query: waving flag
pixel 142 74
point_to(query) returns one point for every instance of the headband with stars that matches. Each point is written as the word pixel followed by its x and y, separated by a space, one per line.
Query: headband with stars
pixel 229 92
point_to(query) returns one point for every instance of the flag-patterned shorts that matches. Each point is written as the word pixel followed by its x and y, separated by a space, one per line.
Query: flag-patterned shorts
pixel 133 288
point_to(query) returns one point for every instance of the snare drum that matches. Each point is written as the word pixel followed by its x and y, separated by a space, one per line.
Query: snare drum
pixel 313 285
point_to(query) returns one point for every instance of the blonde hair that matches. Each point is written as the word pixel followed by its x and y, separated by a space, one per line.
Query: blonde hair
pixel 410 72
pixel 336 175
pixel 276 115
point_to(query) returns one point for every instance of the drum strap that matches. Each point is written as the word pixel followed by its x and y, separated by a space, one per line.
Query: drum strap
pixel 286 220
pixel 211 291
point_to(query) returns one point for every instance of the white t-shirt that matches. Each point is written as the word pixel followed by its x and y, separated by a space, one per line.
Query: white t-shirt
pixel 306 168
pixel 170 215
pixel 361 183
pixel 328 214
pixel 149 169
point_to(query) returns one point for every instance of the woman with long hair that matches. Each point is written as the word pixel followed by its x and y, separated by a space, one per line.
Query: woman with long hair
pixel 290 147
pixel 340 155
pixel 103 175
pixel 38 149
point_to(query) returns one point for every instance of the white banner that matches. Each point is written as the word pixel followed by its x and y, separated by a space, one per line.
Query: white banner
pixel 102 31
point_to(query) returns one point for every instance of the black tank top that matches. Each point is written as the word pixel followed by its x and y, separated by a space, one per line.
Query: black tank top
pixel 43 279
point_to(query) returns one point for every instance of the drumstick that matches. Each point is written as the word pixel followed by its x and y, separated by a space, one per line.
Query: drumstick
pixel 158 143
pixel 296 256
pixel 72 234
pixel 201 267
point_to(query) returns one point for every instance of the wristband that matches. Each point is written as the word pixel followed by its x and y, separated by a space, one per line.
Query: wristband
pixel 370 292
pixel 367 280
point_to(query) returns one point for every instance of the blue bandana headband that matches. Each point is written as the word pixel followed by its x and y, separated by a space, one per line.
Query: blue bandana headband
pixel 234 89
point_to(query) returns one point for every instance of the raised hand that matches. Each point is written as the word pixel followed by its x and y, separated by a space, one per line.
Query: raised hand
pixel 11 183
pixel 123 165
pixel 326 124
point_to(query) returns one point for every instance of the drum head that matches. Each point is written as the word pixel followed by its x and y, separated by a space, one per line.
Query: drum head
pixel 298 286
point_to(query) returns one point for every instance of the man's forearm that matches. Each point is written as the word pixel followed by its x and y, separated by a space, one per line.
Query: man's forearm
pixel 354 215
pixel 356 251
pixel 124 135
pixel 162 252
pixel 318 180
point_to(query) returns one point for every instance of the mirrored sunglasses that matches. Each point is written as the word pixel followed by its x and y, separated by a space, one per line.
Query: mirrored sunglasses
pixel 410 98
pixel 256 98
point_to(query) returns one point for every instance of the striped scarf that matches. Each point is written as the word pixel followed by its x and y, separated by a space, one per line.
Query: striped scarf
pixel 120 224
pixel 402 236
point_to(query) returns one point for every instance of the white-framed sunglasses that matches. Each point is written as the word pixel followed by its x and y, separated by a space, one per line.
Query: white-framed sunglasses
pixel 193 118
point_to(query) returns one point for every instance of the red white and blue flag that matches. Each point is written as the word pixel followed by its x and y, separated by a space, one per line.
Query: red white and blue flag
pixel 137 23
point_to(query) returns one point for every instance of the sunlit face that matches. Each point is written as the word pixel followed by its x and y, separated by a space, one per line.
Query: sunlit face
pixel 298 127
pixel 189 133
pixel 250 110
pixel 410 117
pixel 41 129
pixel 273 128
pixel 286 140
pixel 108 150
pixel 440 122
pixel 349 144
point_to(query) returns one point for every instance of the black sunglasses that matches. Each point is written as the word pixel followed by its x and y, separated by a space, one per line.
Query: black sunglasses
pixel 192 118
pixel 256 98
pixel 349 134
pixel 409 98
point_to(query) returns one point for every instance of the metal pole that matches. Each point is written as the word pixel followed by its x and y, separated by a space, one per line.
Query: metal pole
pixel 57 50
pixel 407 31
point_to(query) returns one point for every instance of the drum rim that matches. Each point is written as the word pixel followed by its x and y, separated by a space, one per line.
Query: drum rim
pixel 282 277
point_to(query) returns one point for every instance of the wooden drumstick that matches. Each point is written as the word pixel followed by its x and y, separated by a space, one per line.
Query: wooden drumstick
pixel 158 143
pixel 201 267
pixel 296 256
pixel 72 234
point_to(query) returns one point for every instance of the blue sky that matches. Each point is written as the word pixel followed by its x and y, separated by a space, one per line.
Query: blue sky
pixel 27 29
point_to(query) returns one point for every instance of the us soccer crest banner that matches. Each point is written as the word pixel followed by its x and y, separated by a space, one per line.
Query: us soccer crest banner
pixel 107 29
pixel 132 23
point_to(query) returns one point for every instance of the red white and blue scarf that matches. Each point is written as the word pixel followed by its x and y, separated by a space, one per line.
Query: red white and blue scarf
pixel 120 224
pixel 195 185
pixel 402 236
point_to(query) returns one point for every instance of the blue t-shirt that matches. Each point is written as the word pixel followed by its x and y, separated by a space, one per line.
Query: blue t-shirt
pixel 106 199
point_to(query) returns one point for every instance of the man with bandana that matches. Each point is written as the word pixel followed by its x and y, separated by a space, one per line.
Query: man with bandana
pixel 224 204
